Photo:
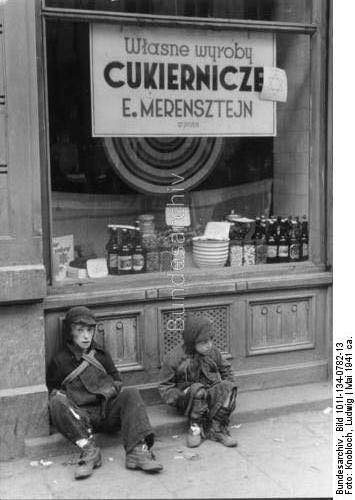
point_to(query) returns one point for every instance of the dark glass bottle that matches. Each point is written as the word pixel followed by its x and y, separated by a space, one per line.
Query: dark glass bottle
pixel 263 225
pixel 125 260
pixel 282 243
pixel 271 243
pixel 304 239
pixel 125 253
pixel 294 252
pixel 112 249
pixel 278 225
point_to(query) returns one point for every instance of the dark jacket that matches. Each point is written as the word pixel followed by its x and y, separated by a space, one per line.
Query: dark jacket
pixel 92 386
pixel 181 369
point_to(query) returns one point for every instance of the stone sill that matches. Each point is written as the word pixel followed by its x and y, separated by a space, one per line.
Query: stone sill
pixel 143 288
pixel 23 283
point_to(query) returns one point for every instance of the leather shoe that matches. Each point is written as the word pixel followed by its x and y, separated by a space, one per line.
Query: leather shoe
pixel 141 457
pixel 89 460
pixel 221 434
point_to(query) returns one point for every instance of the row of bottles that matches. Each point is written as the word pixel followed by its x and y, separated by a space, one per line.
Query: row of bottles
pixel 124 253
pixel 136 249
pixel 287 240
pixel 274 240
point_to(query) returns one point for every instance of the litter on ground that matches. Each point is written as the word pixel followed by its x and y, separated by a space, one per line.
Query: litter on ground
pixel 45 463
pixel 191 456
pixel 71 461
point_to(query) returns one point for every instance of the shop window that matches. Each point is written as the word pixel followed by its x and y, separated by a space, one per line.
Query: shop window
pixel 262 10
pixel 259 184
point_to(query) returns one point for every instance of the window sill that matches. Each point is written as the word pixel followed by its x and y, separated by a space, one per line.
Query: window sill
pixel 159 286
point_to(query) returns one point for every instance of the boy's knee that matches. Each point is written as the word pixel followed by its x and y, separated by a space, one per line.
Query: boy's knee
pixel 131 394
pixel 200 394
pixel 57 398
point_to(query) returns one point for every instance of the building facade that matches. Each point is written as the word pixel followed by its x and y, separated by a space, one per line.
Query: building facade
pixel 150 133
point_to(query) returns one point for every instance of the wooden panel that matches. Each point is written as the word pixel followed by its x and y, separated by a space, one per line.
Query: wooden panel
pixel 119 336
pixel 280 325
pixel 219 315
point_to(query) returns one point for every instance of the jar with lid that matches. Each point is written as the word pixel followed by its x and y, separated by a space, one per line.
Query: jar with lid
pixel 149 241
pixel 152 260
pixel 146 224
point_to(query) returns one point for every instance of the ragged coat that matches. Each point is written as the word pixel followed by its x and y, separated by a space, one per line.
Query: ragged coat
pixel 93 386
pixel 180 370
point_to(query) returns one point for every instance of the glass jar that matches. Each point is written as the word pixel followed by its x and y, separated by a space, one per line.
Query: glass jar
pixel 146 224
pixel 152 260
pixel 236 253
pixel 149 241
pixel 248 253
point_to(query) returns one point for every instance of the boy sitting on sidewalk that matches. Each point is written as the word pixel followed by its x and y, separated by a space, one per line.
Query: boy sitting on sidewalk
pixel 199 383
pixel 86 395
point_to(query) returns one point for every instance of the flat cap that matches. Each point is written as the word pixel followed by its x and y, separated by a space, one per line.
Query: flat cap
pixel 80 314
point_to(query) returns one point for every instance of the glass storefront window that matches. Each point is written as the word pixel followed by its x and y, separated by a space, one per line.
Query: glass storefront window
pixel 261 10
pixel 105 189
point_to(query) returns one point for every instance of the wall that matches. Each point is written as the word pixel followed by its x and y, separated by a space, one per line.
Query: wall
pixel 23 394
pixel 275 328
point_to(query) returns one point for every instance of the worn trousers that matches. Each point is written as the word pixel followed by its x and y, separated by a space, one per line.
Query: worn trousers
pixel 125 412
pixel 215 397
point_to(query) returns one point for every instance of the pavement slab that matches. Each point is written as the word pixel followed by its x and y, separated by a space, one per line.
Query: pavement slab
pixel 280 457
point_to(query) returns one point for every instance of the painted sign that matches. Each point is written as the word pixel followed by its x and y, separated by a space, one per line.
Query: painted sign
pixel 179 82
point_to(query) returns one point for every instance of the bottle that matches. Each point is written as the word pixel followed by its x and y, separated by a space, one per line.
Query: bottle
pixel 271 252
pixel 304 239
pixel 112 249
pixel 125 260
pixel 125 254
pixel 294 253
pixel 277 226
pixel 282 243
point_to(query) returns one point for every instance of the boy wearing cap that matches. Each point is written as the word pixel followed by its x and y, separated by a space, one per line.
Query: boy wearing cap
pixel 86 395
pixel 199 383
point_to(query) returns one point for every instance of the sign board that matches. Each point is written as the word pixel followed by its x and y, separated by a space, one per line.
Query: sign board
pixel 179 82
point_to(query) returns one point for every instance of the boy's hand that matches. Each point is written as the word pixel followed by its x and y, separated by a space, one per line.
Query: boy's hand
pixel 118 385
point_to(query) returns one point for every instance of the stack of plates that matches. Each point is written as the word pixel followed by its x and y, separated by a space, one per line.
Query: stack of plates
pixel 210 253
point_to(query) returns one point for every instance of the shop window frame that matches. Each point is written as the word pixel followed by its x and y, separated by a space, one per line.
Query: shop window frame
pixel 316 30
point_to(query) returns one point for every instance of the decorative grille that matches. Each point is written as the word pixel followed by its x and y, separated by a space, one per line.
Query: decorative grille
pixel 217 315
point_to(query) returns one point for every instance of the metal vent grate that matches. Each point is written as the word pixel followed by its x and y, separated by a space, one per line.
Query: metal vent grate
pixel 218 316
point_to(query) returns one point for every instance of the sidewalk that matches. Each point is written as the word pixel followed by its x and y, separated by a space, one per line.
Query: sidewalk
pixel 284 456
pixel 251 406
